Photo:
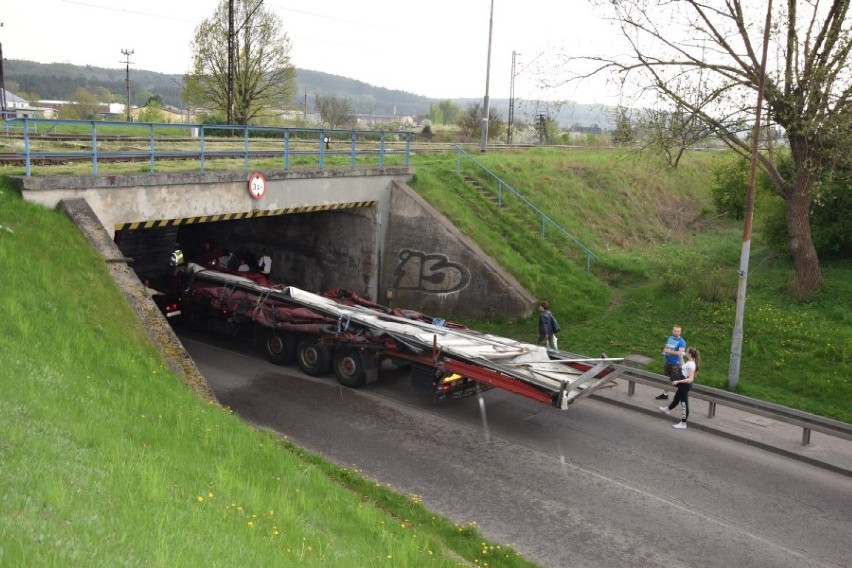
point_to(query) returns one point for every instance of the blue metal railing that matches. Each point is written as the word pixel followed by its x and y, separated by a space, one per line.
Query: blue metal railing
pixel 545 220
pixel 243 142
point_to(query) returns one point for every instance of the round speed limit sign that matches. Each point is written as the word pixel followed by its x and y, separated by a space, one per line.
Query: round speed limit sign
pixel 257 186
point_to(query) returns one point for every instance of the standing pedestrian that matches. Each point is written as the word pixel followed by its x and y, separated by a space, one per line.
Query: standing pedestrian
pixel 684 385
pixel 265 263
pixel 672 357
pixel 548 327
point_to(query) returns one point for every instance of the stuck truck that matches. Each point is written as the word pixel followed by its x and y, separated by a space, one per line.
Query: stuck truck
pixel 354 338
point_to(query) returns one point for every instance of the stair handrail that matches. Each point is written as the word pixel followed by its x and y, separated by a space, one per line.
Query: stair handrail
pixel 545 220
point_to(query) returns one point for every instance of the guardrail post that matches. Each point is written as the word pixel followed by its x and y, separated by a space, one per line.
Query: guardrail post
pixel 806 436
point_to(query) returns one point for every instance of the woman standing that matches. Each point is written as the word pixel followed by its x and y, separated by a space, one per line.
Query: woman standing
pixel 684 384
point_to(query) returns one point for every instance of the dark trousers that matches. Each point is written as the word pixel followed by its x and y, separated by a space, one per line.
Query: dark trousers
pixel 682 397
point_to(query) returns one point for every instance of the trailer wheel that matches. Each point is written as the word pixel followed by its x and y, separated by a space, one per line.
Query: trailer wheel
pixel 280 348
pixel 313 358
pixel 348 367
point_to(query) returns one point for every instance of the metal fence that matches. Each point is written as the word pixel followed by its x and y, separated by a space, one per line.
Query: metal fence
pixel 807 421
pixel 34 140
pixel 502 188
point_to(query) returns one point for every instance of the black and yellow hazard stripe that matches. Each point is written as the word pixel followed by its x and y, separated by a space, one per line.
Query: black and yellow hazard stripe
pixel 159 223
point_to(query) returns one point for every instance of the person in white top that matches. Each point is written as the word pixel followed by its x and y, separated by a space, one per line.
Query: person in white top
pixel 684 384
pixel 265 263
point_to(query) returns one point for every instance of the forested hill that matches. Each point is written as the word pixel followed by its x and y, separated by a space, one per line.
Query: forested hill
pixel 57 81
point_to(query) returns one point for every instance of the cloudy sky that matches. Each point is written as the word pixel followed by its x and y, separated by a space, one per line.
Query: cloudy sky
pixel 436 48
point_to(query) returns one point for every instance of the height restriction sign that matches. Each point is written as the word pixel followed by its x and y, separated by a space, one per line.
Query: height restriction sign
pixel 257 186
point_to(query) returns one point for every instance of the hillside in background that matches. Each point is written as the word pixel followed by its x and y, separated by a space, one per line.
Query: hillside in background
pixel 57 81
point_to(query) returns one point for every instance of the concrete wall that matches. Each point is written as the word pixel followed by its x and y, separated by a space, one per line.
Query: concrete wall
pixel 428 265
pixel 362 230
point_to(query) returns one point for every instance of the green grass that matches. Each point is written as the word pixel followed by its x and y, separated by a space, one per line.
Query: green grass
pixel 108 459
pixel 665 258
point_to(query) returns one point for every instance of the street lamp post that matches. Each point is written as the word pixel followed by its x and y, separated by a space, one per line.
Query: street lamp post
pixel 485 108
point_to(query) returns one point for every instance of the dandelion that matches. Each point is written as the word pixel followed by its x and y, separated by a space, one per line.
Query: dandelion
pixel 200 498
pixel 251 524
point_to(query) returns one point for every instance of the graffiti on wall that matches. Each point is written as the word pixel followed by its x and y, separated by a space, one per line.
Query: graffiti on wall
pixel 432 273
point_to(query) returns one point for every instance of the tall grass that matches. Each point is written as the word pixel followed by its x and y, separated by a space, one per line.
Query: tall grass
pixel 666 258
pixel 108 459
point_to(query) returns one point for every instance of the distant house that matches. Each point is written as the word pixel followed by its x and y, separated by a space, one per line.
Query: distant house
pixel 16 107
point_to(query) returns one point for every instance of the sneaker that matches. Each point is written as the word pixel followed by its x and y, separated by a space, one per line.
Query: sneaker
pixel 662 396
pixel 680 425
pixel 664 409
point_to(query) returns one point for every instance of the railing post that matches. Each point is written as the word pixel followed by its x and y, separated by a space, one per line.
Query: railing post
pixel 407 149
pixel 631 388
pixel 382 151
pixel 500 194
pixel 94 148
pixel 543 221
pixel 246 148
pixel 458 160
pixel 151 147
pixel 286 149
pixel 322 149
pixel 201 146
pixel 806 436
pixel 711 410
pixel 352 150
pixel 27 148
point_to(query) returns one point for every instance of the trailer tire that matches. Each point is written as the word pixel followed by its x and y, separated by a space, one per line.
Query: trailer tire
pixel 314 359
pixel 279 348
pixel 348 366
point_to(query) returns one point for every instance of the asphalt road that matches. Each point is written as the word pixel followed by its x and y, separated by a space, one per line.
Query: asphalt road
pixel 596 485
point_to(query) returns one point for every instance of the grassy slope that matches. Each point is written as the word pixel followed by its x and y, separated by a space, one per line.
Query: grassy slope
pixel 107 459
pixel 662 251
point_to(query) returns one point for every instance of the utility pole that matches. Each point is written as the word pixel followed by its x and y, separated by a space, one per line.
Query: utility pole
pixel 230 62
pixel 737 338
pixel 127 54
pixel 485 108
pixel 511 101
pixel 2 83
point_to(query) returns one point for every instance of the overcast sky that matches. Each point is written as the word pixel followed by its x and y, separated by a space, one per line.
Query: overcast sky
pixel 435 48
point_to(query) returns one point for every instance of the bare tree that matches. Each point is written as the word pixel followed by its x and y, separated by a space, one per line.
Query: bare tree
pixel 335 111
pixel 671 131
pixel 714 45
pixel 264 77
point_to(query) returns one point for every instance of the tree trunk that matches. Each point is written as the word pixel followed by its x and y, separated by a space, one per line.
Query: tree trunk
pixel 805 260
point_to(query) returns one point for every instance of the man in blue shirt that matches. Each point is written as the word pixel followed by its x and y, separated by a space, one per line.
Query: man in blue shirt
pixel 672 356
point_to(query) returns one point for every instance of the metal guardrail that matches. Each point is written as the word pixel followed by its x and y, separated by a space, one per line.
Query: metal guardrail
pixel 805 420
pixel 285 143
pixel 545 220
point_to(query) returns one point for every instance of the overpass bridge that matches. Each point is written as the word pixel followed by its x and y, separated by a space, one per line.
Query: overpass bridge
pixel 361 229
